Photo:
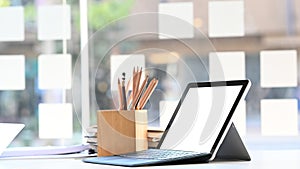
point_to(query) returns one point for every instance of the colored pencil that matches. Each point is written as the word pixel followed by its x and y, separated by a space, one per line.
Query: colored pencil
pixel 147 94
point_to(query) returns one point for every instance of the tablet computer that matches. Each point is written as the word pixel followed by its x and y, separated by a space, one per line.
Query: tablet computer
pixel 196 130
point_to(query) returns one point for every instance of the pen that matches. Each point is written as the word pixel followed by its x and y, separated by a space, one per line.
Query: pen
pixel 124 92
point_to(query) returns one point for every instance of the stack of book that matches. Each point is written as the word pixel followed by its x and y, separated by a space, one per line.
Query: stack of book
pixel 154 137
pixel 91 138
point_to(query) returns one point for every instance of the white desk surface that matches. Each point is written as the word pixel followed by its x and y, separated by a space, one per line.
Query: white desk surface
pixel 260 159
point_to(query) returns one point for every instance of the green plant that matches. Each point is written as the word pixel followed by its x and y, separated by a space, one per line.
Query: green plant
pixel 4 3
pixel 102 13
pixel 30 12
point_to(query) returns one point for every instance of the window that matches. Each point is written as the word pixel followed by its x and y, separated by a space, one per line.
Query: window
pixel 54 71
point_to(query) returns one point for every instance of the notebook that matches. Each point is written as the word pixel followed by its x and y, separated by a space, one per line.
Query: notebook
pixel 196 130
pixel 8 131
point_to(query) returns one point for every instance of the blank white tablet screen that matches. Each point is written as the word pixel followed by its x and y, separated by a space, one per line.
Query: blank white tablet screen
pixel 200 118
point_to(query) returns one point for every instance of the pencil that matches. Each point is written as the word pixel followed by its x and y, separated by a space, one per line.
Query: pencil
pixel 120 95
pixel 139 94
pixel 133 83
pixel 127 87
pixel 147 94
pixel 129 99
pixel 139 74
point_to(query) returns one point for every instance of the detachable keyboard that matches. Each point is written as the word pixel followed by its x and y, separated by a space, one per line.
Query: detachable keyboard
pixel 152 157
pixel 163 154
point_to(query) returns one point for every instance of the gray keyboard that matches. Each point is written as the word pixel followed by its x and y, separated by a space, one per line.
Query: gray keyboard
pixel 162 154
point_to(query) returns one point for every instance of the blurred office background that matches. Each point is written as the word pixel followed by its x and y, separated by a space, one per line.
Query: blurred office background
pixel 44 44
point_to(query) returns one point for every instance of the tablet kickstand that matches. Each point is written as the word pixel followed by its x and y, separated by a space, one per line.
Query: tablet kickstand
pixel 232 147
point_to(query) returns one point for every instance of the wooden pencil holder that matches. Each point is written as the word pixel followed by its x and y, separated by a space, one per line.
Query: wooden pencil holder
pixel 121 131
